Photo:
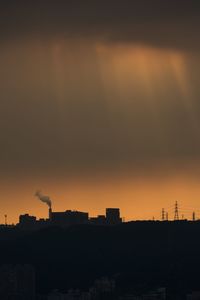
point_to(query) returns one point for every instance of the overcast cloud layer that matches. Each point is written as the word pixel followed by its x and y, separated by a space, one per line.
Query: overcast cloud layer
pixel 62 107
pixel 163 23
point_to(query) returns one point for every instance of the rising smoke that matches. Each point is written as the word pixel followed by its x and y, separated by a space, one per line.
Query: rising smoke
pixel 43 198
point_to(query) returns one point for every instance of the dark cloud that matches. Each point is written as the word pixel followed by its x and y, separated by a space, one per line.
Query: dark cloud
pixel 40 134
pixel 163 23
pixel 86 127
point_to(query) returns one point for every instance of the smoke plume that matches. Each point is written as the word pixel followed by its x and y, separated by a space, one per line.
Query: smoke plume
pixel 43 198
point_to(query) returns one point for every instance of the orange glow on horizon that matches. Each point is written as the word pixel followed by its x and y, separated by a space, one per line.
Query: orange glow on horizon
pixel 137 197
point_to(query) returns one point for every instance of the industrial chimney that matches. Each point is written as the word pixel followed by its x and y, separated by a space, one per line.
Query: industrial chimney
pixel 45 199
pixel 50 213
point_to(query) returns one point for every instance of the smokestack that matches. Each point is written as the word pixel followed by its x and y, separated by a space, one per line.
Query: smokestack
pixel 50 213
pixel 43 198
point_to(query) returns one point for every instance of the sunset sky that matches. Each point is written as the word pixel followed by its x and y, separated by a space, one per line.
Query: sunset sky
pixel 100 106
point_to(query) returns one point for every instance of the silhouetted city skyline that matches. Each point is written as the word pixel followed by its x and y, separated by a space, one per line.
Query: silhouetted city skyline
pixel 74 217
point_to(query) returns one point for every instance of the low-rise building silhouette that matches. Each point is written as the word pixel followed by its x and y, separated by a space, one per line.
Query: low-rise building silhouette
pixel 69 218
pixel 99 220
pixel 27 222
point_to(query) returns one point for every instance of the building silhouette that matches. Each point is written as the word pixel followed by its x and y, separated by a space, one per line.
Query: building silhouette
pixel 113 216
pixel 27 222
pixel 69 218
pixel 99 220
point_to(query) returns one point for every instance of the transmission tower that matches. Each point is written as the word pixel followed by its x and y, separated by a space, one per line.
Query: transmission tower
pixel 176 212
pixel 5 216
pixel 163 214
pixel 167 216
pixel 193 216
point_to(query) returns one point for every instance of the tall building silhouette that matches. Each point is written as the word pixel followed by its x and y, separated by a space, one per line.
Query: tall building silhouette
pixel 113 216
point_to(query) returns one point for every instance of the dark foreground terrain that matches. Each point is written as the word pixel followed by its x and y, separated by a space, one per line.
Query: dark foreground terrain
pixel 137 254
